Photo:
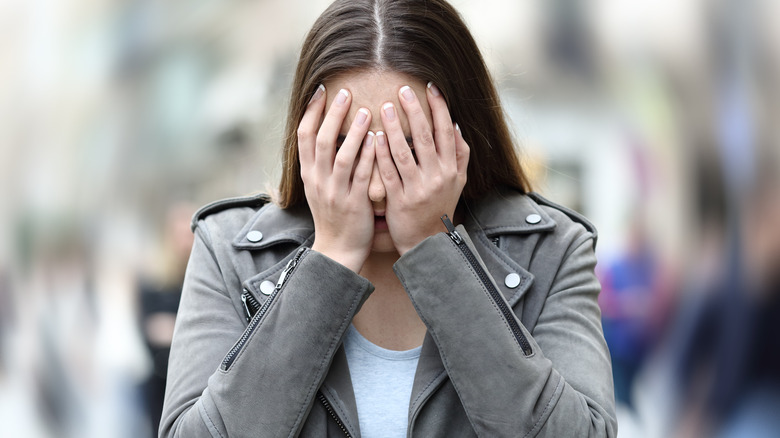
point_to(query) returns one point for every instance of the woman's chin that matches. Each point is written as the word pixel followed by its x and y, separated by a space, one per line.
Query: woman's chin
pixel 383 243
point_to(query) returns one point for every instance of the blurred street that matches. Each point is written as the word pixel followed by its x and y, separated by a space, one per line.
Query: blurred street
pixel 653 118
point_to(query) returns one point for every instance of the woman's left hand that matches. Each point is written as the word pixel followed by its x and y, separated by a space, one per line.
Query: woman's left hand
pixel 420 191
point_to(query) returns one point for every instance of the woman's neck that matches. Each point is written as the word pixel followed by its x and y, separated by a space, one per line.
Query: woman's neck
pixel 388 318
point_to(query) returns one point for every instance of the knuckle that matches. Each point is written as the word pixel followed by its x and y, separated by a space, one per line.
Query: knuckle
pixel 415 110
pixel 426 138
pixel 405 156
pixel 388 174
pixel 449 173
pixel 321 143
pixel 437 182
pixel 362 174
pixel 448 131
pixel 304 133
pixel 341 161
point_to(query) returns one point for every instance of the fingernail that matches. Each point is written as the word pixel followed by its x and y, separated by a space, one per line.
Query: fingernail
pixel 362 115
pixel 458 128
pixel 434 89
pixel 318 93
pixel 380 138
pixel 369 139
pixel 389 111
pixel 342 96
pixel 407 93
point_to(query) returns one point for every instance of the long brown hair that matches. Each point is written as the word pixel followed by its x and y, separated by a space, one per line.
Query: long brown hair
pixel 427 40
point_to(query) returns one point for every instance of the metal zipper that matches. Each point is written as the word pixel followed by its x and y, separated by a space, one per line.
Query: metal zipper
pixel 494 293
pixel 255 321
pixel 333 414
pixel 251 305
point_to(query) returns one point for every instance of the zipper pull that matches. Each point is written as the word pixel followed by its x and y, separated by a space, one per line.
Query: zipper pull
pixel 451 231
pixel 247 311
pixel 251 305
pixel 289 268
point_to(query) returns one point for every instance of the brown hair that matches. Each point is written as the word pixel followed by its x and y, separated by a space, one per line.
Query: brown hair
pixel 427 40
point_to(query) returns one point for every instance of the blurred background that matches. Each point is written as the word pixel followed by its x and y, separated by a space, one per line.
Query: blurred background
pixel 653 118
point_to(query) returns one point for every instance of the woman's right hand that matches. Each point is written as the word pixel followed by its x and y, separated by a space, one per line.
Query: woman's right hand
pixel 336 178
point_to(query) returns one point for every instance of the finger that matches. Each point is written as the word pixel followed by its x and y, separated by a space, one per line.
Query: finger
pixel 345 156
pixel 399 149
pixel 462 152
pixel 307 129
pixel 325 148
pixel 387 169
pixel 422 134
pixel 365 166
pixel 442 124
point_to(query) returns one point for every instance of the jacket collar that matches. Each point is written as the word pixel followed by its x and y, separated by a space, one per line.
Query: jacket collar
pixel 272 225
pixel 506 212
pixel 499 213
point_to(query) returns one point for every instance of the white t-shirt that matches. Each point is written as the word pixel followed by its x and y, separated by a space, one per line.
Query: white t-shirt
pixel 382 380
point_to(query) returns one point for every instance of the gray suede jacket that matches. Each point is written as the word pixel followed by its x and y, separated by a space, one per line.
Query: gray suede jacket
pixel 514 345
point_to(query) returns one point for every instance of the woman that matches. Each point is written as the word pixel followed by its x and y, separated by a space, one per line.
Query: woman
pixel 351 305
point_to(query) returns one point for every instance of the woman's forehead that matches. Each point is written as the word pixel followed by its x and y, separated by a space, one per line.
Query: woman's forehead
pixel 372 89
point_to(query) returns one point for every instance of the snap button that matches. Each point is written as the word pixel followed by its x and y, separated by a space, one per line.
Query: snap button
pixel 512 280
pixel 533 218
pixel 267 287
pixel 254 236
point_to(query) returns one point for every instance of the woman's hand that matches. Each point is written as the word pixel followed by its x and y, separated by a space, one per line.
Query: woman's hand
pixel 336 179
pixel 420 192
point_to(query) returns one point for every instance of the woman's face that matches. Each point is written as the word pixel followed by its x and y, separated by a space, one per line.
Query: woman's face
pixel 371 90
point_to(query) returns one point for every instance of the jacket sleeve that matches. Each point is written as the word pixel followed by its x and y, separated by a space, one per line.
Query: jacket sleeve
pixel 558 385
pixel 259 394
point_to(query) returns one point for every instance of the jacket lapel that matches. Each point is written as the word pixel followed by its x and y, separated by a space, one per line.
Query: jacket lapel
pixel 429 375
pixel 490 220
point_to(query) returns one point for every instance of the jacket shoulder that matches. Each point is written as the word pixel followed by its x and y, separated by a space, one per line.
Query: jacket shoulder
pixel 252 202
pixel 569 213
